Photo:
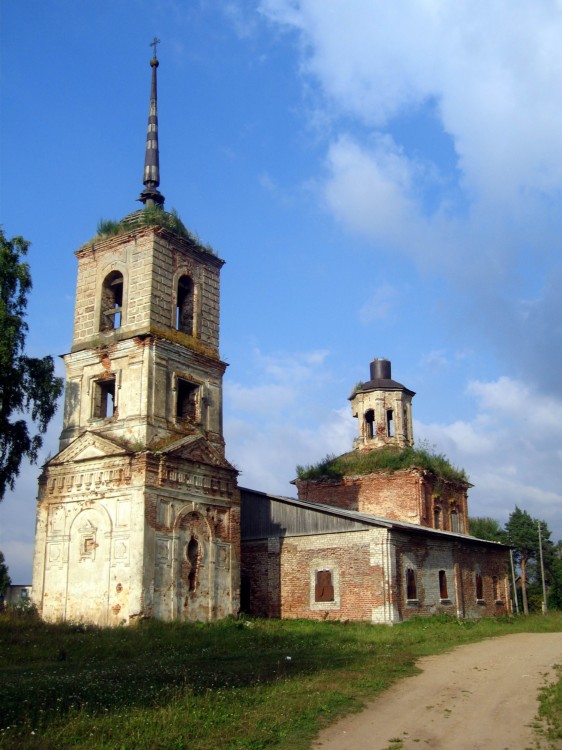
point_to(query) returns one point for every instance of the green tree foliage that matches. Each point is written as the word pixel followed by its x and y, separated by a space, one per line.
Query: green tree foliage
pixel 523 535
pixel 5 580
pixel 487 528
pixel 555 577
pixel 28 386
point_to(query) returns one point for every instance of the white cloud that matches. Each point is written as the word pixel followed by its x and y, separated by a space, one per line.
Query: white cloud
pixel 267 457
pixel 282 421
pixel 511 450
pixel 258 399
pixel 491 67
pixel 483 77
pixel 371 190
pixel 534 412
pixel 292 367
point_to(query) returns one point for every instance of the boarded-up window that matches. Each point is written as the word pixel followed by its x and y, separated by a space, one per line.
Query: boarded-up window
pixel 411 587
pixel 479 587
pixel 443 593
pixel 324 589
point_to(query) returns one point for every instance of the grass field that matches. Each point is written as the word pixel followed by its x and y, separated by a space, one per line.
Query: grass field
pixel 235 685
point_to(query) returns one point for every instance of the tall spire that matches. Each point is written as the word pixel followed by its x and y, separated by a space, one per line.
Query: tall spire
pixel 151 196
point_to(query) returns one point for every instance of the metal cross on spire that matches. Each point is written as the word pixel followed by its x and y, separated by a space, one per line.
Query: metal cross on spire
pixel 154 43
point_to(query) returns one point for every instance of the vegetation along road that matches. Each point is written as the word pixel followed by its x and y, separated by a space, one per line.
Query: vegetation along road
pixel 482 696
pixel 250 684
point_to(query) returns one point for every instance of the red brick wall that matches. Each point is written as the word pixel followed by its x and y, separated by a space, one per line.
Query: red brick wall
pixel 282 582
pixel 461 561
pixel 395 496
pixel 406 495
pixel 280 574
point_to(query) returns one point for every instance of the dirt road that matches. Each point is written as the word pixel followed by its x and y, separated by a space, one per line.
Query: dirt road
pixel 478 697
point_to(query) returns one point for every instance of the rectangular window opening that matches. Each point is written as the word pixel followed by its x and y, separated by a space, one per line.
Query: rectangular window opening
pixel 324 589
pixel 479 587
pixel 389 423
pixel 443 593
pixel 454 521
pixel 437 518
pixel 411 587
pixel 186 401
pixel 104 399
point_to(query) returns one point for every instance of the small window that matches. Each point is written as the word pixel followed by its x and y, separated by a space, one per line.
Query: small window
pixel 186 400
pixel 443 593
pixel 437 518
pixel 389 423
pixel 104 399
pixel 411 587
pixel 88 545
pixel 324 589
pixel 370 423
pixel 112 302
pixel 479 587
pixel 184 307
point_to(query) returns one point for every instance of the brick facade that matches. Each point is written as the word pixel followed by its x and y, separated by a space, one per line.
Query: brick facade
pixel 410 495
pixel 368 570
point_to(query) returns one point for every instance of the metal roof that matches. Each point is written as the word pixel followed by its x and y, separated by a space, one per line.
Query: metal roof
pixel 267 518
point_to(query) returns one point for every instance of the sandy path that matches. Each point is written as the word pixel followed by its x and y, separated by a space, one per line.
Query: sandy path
pixel 478 697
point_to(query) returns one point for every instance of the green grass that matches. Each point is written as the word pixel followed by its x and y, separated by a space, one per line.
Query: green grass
pixel 389 459
pixel 550 711
pixel 151 216
pixel 227 685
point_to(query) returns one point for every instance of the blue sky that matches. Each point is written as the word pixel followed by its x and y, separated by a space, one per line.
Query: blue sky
pixel 382 179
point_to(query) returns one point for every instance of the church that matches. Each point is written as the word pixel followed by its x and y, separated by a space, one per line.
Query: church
pixel 140 513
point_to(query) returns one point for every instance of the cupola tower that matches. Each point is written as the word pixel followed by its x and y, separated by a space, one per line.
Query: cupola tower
pixel 383 409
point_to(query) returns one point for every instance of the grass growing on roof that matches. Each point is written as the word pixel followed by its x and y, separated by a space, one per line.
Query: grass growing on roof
pixel 388 459
pixel 150 216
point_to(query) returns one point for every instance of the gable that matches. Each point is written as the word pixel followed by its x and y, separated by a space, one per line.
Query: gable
pixel 198 450
pixel 89 445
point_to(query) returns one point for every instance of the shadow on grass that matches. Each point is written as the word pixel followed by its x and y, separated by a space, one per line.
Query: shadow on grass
pixel 49 670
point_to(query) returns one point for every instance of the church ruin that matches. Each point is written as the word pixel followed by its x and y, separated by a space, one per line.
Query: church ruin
pixel 140 514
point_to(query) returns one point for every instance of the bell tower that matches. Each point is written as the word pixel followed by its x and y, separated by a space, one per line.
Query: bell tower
pixel 138 513
pixel 383 409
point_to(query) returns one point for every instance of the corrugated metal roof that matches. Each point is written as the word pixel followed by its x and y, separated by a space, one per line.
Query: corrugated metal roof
pixel 264 515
